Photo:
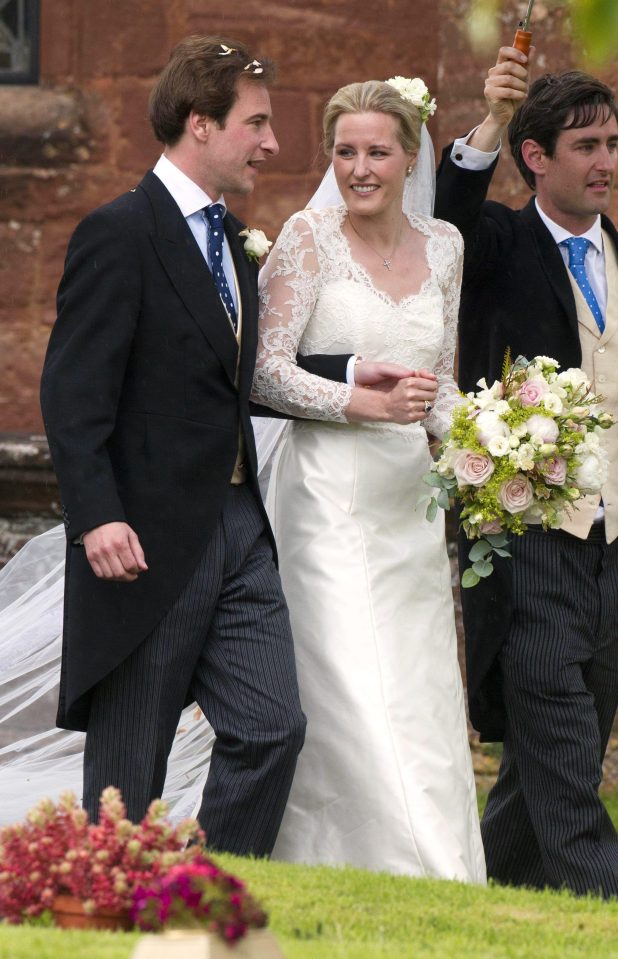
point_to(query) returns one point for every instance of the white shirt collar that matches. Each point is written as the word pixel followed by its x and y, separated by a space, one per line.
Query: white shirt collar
pixel 559 233
pixel 188 195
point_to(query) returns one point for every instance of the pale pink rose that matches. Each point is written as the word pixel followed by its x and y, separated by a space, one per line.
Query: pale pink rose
pixel 472 469
pixel 543 426
pixel 555 470
pixel 516 494
pixel 532 391
pixel 490 527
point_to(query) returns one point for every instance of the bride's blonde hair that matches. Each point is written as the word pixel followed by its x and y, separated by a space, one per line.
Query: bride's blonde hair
pixel 373 96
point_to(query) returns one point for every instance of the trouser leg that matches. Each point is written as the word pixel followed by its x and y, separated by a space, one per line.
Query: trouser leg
pixel 246 684
pixel 560 669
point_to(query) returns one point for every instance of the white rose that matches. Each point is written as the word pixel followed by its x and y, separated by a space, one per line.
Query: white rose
pixel 573 377
pixel 591 472
pixel 545 362
pixel 543 427
pixel 520 430
pixel 498 446
pixel 256 244
pixel 514 442
pixel 552 403
pixel 488 425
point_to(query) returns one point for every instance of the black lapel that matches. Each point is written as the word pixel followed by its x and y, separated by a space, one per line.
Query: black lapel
pixel 184 264
pixel 551 261
pixel 246 272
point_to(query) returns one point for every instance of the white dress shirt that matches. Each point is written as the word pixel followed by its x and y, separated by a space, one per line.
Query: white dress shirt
pixel 191 200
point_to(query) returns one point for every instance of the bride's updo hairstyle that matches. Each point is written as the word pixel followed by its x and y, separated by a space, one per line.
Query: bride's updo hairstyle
pixel 373 96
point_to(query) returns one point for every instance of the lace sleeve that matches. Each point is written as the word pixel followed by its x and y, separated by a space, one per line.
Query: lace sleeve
pixel 289 288
pixel 450 271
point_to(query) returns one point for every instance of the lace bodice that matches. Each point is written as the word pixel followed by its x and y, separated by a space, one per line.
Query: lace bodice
pixel 315 298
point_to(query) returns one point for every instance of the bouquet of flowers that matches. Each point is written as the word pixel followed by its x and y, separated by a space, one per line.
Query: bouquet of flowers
pixel 523 450
pixel 197 895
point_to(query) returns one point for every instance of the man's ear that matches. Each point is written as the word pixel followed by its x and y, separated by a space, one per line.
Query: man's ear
pixel 534 156
pixel 199 126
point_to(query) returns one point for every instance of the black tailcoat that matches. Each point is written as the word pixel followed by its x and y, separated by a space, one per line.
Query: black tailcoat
pixel 143 416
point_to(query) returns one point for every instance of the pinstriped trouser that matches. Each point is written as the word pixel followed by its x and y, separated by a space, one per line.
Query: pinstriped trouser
pixel 544 823
pixel 227 641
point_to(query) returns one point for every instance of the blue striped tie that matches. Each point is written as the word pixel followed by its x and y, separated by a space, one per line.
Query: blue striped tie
pixel 578 247
pixel 214 214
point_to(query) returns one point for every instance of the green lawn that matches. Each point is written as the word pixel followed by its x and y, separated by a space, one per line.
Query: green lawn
pixel 324 913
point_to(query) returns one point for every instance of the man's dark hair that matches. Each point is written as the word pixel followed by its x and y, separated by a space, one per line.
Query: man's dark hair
pixel 557 102
pixel 202 74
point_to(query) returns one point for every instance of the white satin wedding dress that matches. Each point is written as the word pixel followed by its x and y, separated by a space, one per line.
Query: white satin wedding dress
pixel 384 779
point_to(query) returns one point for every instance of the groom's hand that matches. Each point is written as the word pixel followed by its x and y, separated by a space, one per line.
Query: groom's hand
pixel 380 376
pixel 114 552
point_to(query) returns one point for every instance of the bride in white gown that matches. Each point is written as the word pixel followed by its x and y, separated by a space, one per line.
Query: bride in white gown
pixel 384 779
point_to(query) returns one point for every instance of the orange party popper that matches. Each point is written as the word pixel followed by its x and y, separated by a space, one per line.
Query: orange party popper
pixel 523 37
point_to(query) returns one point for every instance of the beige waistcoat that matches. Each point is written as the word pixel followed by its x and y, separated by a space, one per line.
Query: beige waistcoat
pixel 600 363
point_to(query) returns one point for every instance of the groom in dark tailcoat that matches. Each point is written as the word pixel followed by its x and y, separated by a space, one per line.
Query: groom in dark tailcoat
pixel 172 594
pixel 542 632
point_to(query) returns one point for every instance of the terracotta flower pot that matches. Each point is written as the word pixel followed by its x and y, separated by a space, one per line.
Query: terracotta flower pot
pixel 69 914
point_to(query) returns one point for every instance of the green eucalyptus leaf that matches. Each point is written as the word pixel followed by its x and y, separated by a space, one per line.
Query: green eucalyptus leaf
pixel 483 568
pixel 443 500
pixel 479 550
pixel 497 539
pixel 433 479
pixel 469 579
pixel 432 510
pixel 502 552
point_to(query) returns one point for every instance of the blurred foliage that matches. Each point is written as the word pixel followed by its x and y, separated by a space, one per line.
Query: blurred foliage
pixel 592 24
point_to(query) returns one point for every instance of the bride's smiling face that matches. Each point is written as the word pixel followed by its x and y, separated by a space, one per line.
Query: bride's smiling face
pixel 369 162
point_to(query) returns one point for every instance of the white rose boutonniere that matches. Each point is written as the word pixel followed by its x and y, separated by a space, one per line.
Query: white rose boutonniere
pixel 256 244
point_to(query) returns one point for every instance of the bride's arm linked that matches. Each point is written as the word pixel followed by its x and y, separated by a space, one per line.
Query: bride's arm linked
pixel 289 287
pixel 450 269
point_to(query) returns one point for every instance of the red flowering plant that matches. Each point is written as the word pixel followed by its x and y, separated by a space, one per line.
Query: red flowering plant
pixel 197 894
pixel 56 850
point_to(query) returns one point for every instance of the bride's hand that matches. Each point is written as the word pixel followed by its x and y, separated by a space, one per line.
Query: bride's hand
pixel 411 399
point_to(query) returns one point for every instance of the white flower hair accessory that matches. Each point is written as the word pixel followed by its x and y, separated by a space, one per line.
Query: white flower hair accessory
pixel 256 244
pixel 416 92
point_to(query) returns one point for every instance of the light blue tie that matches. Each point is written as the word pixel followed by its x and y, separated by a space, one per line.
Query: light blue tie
pixel 578 247
pixel 214 214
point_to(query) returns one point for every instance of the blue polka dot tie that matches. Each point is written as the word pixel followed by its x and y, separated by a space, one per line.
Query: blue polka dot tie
pixel 578 247
pixel 214 214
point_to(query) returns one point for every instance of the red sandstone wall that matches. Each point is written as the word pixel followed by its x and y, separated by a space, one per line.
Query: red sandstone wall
pixel 82 136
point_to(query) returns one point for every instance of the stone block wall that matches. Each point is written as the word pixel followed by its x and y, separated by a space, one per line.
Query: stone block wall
pixel 82 136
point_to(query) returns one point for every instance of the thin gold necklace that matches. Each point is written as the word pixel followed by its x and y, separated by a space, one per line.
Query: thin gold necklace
pixel 386 260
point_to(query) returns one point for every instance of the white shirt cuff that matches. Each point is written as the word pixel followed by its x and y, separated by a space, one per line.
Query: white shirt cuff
pixel 349 371
pixel 469 158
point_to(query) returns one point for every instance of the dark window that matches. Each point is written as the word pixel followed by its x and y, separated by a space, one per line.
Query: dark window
pixel 19 41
